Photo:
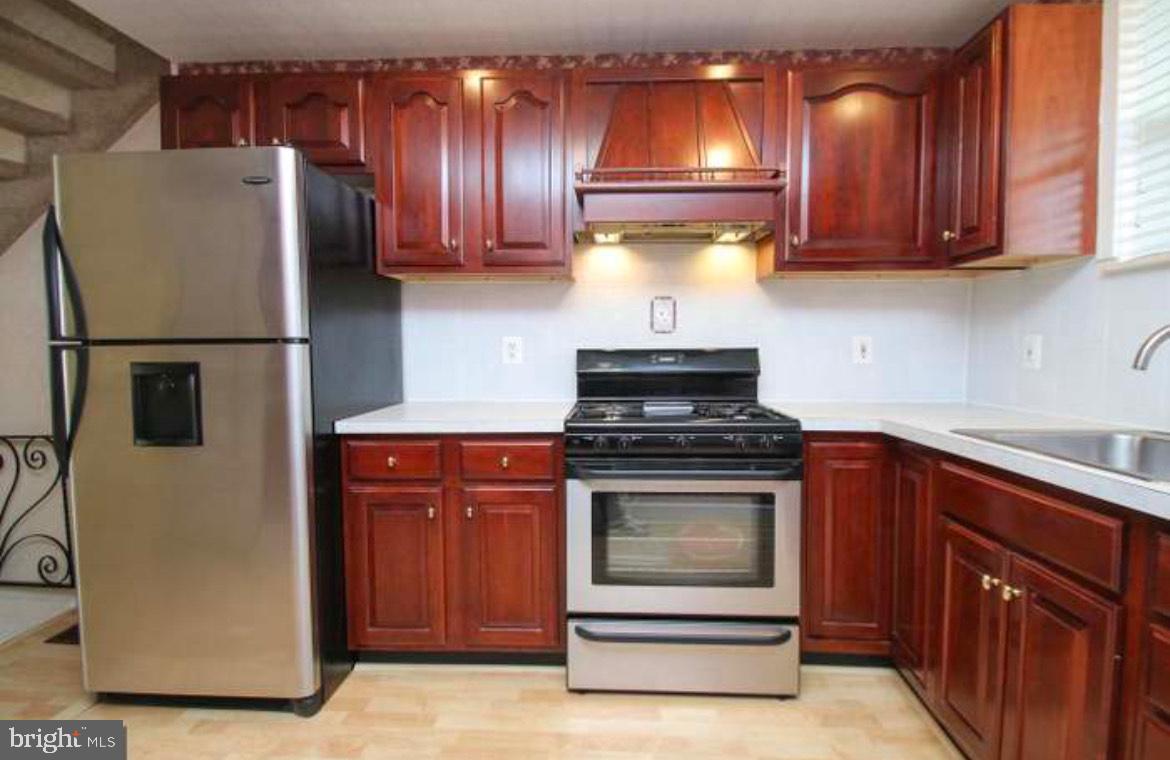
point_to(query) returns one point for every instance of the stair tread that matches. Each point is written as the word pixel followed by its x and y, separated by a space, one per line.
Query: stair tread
pixel 12 169
pixel 26 50
pixel 30 120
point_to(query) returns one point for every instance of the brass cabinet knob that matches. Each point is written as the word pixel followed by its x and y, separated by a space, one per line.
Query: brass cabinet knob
pixel 276 141
pixel 948 236
pixel 504 462
pixel 488 245
pixel 241 143
pixel 391 462
pixel 431 512
pixel 453 244
pixel 794 241
pixel 1009 593
pixel 469 511
pixel 988 582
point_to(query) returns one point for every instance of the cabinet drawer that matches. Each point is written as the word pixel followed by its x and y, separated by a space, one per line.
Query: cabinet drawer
pixel 1079 540
pixel 394 460
pixel 508 460
pixel 1158 668
pixel 1161 593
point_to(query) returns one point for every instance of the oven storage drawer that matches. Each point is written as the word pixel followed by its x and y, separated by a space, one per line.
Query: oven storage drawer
pixel 683 656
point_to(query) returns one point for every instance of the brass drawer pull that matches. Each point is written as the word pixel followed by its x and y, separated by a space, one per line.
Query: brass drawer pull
pixel 391 462
pixel 504 463
pixel 431 512
pixel 469 511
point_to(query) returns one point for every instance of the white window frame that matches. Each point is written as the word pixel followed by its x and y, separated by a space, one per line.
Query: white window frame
pixel 1107 255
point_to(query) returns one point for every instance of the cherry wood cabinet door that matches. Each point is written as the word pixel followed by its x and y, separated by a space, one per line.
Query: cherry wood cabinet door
pixel 847 546
pixel 508 553
pixel 418 123
pixel 521 125
pixel 912 533
pixel 394 567
pixel 319 113
pixel 1061 664
pixel 972 143
pixel 861 167
pixel 971 639
pixel 206 111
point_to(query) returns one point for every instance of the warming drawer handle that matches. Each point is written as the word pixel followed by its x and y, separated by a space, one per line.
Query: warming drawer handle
pixel 589 634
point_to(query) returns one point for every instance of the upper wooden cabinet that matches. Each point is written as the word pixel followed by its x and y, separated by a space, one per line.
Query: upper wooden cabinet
pixel 861 170
pixel 206 111
pixel 1019 138
pixel 322 114
pixel 470 173
pixel 417 123
pixel 846 599
pixel 519 175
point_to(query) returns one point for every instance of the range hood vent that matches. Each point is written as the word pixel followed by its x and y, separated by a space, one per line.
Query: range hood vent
pixel 684 155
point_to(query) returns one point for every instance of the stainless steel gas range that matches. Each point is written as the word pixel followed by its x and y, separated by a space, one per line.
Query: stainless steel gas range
pixel 683 526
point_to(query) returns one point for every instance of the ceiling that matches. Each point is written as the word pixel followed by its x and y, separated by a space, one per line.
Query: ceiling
pixel 226 30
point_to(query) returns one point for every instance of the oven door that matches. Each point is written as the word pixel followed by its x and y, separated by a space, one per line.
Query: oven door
pixel 679 546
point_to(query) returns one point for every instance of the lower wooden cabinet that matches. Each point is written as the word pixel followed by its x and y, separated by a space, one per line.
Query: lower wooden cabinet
pixel 846 599
pixel 454 561
pixel 508 552
pixel 394 567
pixel 971 636
pixel 913 522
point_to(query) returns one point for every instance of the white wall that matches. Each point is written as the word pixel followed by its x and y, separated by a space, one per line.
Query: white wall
pixel 24 401
pixel 803 328
pixel 1091 323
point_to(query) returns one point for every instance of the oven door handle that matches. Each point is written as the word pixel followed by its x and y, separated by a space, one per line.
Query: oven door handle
pixel 769 639
pixel 590 472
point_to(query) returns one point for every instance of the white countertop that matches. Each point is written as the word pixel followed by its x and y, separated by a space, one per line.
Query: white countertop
pixel 929 425
pixel 421 417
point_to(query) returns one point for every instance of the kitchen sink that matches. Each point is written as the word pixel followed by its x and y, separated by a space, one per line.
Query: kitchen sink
pixel 1140 453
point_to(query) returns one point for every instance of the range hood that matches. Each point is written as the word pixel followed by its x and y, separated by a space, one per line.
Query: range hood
pixel 688 155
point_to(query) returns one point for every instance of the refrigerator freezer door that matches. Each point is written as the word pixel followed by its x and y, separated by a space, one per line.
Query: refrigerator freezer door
pixel 206 243
pixel 191 491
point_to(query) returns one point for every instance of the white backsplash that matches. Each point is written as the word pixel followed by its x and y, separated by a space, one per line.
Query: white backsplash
pixel 803 328
pixel 1092 323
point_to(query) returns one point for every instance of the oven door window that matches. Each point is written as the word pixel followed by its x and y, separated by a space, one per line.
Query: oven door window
pixel 684 539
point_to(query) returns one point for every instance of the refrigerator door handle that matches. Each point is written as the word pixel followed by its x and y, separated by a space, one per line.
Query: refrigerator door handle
pixel 66 412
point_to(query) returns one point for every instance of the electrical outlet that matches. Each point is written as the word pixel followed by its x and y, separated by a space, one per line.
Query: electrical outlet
pixel 862 349
pixel 1033 351
pixel 513 350
pixel 662 314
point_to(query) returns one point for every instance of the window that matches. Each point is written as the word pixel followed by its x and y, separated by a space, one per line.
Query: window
pixel 1137 101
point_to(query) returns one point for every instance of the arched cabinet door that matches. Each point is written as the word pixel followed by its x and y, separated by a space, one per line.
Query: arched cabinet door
pixel 319 114
pixel 520 124
pixel 206 111
pixel 418 125
pixel 861 168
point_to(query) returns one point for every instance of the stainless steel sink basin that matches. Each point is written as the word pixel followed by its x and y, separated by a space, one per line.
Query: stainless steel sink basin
pixel 1140 453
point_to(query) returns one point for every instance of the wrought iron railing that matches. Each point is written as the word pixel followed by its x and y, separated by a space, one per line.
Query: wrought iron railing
pixel 36 548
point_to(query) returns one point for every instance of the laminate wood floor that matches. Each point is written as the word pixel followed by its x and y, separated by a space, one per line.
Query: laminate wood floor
pixel 449 711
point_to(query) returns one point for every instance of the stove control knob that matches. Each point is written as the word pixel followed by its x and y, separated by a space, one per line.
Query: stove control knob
pixel 741 442
pixel 766 442
pixel 600 442
pixel 625 442
pixel 682 441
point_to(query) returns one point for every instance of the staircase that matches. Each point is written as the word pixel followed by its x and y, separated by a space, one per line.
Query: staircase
pixel 68 83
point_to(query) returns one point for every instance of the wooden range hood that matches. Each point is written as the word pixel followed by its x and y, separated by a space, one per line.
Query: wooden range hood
pixel 672 154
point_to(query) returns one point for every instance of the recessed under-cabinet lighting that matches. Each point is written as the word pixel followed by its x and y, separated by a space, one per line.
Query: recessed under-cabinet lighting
pixel 607 238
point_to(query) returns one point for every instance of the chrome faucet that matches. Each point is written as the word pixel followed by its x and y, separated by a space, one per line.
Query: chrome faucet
pixel 1146 350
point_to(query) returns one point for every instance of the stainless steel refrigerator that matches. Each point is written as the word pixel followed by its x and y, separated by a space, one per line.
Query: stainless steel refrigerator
pixel 212 313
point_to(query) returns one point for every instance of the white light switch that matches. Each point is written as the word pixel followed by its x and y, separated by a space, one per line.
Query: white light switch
pixel 862 349
pixel 1033 351
pixel 513 350
pixel 662 314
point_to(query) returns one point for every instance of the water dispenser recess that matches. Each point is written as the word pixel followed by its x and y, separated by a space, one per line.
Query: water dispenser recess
pixel 166 404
